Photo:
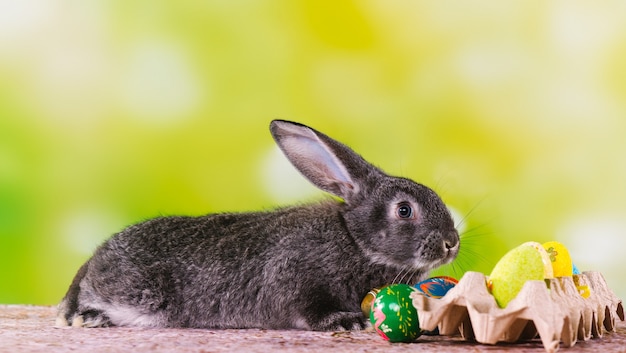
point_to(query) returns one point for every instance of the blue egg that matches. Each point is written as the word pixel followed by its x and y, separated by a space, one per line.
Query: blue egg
pixel 436 287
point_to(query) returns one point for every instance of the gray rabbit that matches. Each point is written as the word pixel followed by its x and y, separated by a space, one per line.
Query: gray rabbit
pixel 301 267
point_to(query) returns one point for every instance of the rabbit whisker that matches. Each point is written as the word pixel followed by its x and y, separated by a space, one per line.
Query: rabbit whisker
pixel 468 214
pixel 399 276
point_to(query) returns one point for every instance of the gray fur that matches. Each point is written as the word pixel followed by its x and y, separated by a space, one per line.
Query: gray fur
pixel 305 267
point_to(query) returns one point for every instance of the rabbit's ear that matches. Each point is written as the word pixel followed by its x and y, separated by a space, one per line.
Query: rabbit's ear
pixel 330 165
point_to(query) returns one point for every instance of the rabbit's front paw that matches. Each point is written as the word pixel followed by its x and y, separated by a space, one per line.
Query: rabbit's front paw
pixel 91 318
pixel 341 321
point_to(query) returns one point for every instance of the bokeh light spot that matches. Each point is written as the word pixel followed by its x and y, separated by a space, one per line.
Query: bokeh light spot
pixel 159 85
pixel 282 181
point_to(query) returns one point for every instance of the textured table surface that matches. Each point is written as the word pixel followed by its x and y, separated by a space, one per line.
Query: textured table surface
pixel 31 329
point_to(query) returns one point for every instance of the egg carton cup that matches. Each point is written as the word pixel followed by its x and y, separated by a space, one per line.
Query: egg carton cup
pixel 554 310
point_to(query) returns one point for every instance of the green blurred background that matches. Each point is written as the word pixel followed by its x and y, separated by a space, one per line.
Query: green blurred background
pixel 112 112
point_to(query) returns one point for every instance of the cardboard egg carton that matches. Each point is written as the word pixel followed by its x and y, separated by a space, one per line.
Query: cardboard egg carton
pixel 554 310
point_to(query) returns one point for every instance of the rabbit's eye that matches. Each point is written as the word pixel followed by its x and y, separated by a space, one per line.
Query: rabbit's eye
pixel 404 211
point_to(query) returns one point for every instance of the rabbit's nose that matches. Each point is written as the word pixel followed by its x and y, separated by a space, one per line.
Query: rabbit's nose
pixel 451 243
pixel 450 246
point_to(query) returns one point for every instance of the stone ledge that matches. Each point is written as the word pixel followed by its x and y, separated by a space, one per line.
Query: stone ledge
pixel 31 329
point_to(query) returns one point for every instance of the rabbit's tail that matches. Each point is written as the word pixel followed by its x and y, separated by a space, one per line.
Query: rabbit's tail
pixel 67 310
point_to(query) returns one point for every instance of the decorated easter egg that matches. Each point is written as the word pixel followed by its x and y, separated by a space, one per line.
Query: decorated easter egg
pixel 545 258
pixel 582 285
pixel 436 287
pixel 393 315
pixel 366 303
pixel 519 265
pixel 560 258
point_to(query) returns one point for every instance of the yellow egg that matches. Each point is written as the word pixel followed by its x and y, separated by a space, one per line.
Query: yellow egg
pixel 519 265
pixel 582 285
pixel 545 258
pixel 560 259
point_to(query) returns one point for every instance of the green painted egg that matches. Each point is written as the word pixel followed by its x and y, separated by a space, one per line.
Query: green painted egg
pixel 513 270
pixel 393 315
pixel 548 272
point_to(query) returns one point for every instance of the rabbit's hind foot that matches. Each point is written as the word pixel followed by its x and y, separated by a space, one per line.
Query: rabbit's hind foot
pixel 341 321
